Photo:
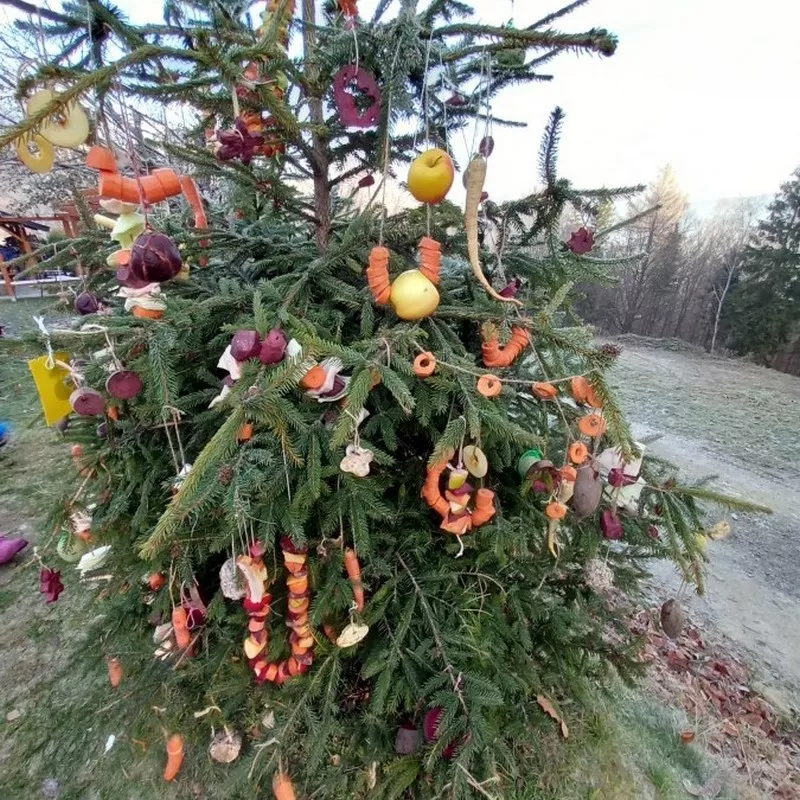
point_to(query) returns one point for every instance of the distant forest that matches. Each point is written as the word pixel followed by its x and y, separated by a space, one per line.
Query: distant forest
pixel 729 283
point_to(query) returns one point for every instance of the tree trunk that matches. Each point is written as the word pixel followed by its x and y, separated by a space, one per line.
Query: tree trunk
pixel 319 163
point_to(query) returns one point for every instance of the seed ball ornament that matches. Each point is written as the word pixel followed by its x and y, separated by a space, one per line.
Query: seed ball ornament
pixel 155 258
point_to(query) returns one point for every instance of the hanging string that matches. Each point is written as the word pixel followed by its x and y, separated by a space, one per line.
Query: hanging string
pixel 132 153
pixel 169 440
pixel 51 358
pixel 235 97
pixel 386 149
pixel 444 110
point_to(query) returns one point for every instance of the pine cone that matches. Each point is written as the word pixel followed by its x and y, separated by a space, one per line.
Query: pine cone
pixel 226 474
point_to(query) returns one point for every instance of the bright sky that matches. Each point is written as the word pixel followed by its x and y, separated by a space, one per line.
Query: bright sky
pixel 709 86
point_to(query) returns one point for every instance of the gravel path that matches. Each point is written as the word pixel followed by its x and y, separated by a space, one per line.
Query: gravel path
pixel 740 422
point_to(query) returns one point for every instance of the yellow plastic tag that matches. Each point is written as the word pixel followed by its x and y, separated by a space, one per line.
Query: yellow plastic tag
pixel 53 387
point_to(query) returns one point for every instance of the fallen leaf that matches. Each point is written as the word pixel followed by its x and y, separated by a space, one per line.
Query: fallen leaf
pixel 687 736
pixel 722 530
pixel 550 710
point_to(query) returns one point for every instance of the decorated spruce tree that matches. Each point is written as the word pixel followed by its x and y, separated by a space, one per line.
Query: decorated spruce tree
pixel 350 487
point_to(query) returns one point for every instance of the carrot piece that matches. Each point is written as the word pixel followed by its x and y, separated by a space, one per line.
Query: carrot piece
pixel 484 507
pixel 182 635
pixel 175 753
pixel 282 787
pixel 475 178
pixel 115 672
pixel 102 159
pixel 353 569
pixel 192 195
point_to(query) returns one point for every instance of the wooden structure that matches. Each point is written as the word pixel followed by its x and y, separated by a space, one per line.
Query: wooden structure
pixel 19 228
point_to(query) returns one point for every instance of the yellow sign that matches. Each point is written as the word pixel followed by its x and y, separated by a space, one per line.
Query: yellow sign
pixel 53 387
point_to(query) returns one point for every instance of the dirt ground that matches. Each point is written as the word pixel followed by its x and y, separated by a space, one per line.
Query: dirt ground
pixel 740 422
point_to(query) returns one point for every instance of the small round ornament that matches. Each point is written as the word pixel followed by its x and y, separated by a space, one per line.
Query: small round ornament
pixel 225 747
pixel 351 113
pixel 155 258
pixel 86 303
pixel 527 460
pixel 352 635
pixel 123 384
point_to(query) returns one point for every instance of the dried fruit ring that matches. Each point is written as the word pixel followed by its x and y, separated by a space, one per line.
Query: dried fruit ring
pixel 39 161
pixel 425 365
pixel 592 425
pixel 556 510
pixel 489 385
pixel 578 452
pixel 68 128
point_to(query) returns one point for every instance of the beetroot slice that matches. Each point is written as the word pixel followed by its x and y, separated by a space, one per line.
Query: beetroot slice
pixel 124 384
pixel 245 344
pixel 87 402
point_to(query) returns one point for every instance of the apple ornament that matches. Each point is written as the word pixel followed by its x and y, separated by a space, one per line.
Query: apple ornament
pixel 431 176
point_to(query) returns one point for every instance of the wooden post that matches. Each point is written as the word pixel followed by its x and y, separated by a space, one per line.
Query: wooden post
pixel 7 279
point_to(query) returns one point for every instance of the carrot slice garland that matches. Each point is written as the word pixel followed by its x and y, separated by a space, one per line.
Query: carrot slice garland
pixel 496 355
pixel 378 275
pixel 257 604
pixel 430 259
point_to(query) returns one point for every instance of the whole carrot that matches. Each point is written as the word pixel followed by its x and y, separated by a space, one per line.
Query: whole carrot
pixel 174 757
pixel 475 178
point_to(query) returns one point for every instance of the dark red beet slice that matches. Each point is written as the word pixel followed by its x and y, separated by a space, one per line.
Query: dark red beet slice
pixel 87 402
pixel 245 344
pixel 124 384
pixel 86 303
pixel 430 724
pixel 127 278
pixel 155 258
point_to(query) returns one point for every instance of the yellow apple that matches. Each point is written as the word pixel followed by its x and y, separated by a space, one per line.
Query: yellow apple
pixel 431 176
pixel 413 296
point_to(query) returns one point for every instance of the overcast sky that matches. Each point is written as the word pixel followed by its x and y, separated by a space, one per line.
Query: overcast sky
pixel 709 86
